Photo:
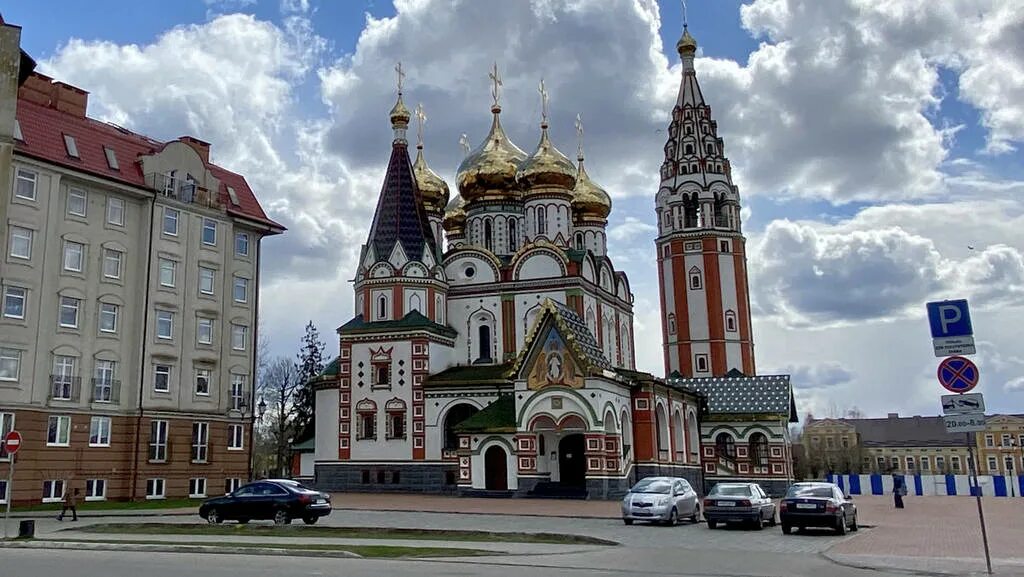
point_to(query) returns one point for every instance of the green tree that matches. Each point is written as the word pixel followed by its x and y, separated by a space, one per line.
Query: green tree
pixel 310 364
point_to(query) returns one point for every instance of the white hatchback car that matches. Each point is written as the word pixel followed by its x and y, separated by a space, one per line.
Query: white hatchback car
pixel 661 500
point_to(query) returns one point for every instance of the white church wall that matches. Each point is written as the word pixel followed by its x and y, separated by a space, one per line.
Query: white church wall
pixel 527 305
pixel 464 316
pixel 539 265
pixel 381 448
pixel 326 425
pixel 697 300
pixel 470 268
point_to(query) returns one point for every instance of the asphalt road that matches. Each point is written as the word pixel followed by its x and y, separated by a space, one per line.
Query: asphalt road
pixel 618 561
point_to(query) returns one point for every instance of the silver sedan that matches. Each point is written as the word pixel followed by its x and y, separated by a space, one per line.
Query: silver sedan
pixel 661 500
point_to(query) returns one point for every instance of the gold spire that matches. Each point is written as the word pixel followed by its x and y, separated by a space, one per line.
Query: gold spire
pixel 400 114
pixel 687 45
pixel 433 189
pixel 589 201
pixel 547 167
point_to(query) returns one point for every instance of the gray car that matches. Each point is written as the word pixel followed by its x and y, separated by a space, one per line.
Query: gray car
pixel 661 500
pixel 739 503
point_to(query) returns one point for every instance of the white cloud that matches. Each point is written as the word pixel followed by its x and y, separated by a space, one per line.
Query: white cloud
pixel 1015 385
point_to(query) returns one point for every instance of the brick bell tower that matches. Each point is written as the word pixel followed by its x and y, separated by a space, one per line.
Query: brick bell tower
pixel 702 264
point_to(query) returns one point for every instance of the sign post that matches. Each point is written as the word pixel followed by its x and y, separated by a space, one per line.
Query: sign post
pixel 12 442
pixel 977 495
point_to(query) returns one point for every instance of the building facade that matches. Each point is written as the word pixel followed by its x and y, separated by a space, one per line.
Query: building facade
pixel 129 278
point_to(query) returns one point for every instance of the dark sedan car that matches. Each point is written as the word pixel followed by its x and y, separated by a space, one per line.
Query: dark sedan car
pixel 817 505
pixel 739 503
pixel 280 500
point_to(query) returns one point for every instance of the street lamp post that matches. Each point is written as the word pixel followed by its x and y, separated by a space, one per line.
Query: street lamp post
pixel 1014 443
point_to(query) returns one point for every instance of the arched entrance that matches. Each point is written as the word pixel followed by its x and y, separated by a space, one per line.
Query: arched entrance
pixel 496 469
pixel 456 415
pixel 572 461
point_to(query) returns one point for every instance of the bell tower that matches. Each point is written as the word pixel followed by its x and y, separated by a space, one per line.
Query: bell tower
pixel 702 263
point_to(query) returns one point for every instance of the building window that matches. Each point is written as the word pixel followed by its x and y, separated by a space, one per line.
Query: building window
pixel 108 317
pixel 730 321
pixel 115 211
pixel 236 437
pixel 990 441
pixel 701 362
pixel 881 464
pixel 95 489
pixel 204 331
pixel 488 236
pixel 77 202
pixel 164 325
pixel 111 158
pixel 231 485
pixel 63 378
pixel 4 493
pixel 155 489
pixel 671 324
pixel 167 272
pixel 162 378
pixel 237 392
pixel 241 289
pixel 1008 465
pixel 940 464
pixel 206 280
pixel 209 232
pixel 158 441
pixel 70 146
pixel 112 263
pixel 197 488
pixel 69 308
pixel 14 302
pixel 484 344
pixel 366 423
pixel 10 366
pixel 396 411
pixel 74 256
pixel 241 244
pixel 759 450
pixel 542 220
pixel 58 431
pixel 954 463
pixel 830 443
pixel 170 221
pixel 99 432
pixel 895 463
pixel 200 442
pixel 25 187
pixel 579 241
pixel 6 426
pixel 911 464
pixel 513 236
pixel 381 374
pixel 203 377
pixel 239 336
pixel 844 442
pixel 926 464
pixel 696 279
pixel 725 446
pixel 103 382
pixel 21 242
pixel 1004 441
pixel 53 490
pixel 382 307
pixel 993 465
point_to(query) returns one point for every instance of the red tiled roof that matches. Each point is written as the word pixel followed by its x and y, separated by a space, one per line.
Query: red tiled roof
pixel 43 127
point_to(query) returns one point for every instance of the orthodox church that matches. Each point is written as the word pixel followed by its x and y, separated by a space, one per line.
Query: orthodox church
pixel 492 348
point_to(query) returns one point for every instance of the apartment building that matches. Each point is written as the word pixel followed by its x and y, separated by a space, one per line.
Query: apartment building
pixel 1001 445
pixel 129 282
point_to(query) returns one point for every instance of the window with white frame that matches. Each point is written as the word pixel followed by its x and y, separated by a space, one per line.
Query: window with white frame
pixel 236 437
pixel 63 377
pixel 103 381
pixel 69 308
pixel 926 464
pixel 170 221
pixel 21 242
pixel 993 465
pixel 990 440
pixel 237 391
pixel 911 465
pixel 200 442
pixel 168 268
pixel 1004 441
pixel 701 363
pixel 115 211
pixel 155 489
pixel 204 330
pixel 74 256
pixel 241 244
pixel 164 324
pixel 10 364
pixel 4 493
pixel 99 432
pixel 112 263
pixel 58 431
pixel 77 202
pixel 6 426
pixel 158 441
pixel 241 289
pixel 53 490
pixel 206 276
pixel 239 337
pixel 231 484
pixel 209 232
pixel 95 489
pixel 70 146
pixel 25 185
pixel 203 377
pixel 111 158
pixel 197 488
pixel 108 317
pixel 954 463
pixel 940 464
pixel 14 302
pixel 162 378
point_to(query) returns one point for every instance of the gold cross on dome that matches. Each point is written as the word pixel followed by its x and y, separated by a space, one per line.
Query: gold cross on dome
pixel 543 101
pixel 684 14
pixel 401 76
pixel 421 119
pixel 496 84
pixel 579 134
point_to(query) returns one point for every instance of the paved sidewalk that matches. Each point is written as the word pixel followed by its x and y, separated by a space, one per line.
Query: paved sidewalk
pixel 476 505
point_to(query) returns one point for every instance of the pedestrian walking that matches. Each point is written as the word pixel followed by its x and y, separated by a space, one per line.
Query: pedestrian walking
pixel 70 502
pixel 899 489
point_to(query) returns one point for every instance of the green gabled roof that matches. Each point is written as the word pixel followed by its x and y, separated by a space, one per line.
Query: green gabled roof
pixel 413 320
pixel 307 446
pixel 576 255
pixel 471 375
pixel 498 417
pixel 331 370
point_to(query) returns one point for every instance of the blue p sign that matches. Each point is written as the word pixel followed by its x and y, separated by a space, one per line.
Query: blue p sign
pixel 950 319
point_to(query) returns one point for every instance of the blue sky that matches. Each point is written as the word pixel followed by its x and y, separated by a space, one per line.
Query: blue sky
pixel 872 142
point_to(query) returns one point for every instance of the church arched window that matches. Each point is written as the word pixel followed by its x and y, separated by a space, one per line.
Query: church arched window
pixel 439 309
pixel 382 307
pixel 696 279
pixel 415 303
pixel 730 321
pixel 484 344
pixel 688 149
pixel 711 148
pixel 488 236
pixel 579 241
pixel 671 323
pixel 513 236
pixel 542 220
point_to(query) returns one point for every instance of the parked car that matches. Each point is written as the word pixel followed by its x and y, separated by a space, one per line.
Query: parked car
pixel 661 500
pixel 279 499
pixel 817 505
pixel 738 503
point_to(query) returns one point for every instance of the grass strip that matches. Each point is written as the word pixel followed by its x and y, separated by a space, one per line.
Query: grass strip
pixel 368 551
pixel 340 532
pixel 116 505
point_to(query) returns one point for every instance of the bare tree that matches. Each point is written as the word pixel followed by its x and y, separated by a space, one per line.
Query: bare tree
pixel 278 387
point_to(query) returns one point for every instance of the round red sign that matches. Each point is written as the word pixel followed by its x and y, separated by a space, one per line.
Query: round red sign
pixel 12 442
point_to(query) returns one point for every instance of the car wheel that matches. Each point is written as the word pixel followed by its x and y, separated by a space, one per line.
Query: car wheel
pixel 673 518
pixel 281 518
pixel 213 517
pixel 309 520
pixel 712 524
pixel 854 526
pixel 841 525
pixel 759 523
pixel 627 521
pixel 695 518
pixel 786 529
pixel 772 522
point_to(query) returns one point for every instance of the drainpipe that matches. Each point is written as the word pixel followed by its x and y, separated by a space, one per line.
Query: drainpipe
pixel 142 356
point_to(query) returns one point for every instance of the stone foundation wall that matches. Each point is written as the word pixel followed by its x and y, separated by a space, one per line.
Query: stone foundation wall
pixel 436 478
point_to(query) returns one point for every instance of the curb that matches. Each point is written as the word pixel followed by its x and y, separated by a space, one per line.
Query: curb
pixel 901 570
pixel 490 513
pixel 152 548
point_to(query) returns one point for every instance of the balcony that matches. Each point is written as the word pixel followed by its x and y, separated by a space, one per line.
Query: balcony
pixel 106 391
pixel 65 388
pixel 183 190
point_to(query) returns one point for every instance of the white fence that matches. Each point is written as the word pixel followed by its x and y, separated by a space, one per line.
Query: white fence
pixel 989 485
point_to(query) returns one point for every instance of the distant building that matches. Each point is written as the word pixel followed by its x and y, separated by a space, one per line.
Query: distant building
pixel 129 277
pixel 1001 446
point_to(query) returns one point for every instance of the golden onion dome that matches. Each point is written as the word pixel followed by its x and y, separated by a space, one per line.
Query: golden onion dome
pixel 400 114
pixel 433 189
pixel 590 200
pixel 491 168
pixel 687 44
pixel 546 167
pixel 455 216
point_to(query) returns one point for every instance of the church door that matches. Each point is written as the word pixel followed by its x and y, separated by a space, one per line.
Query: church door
pixel 572 462
pixel 496 469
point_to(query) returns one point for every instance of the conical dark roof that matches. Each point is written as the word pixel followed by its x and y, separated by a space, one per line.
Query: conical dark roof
pixel 400 216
